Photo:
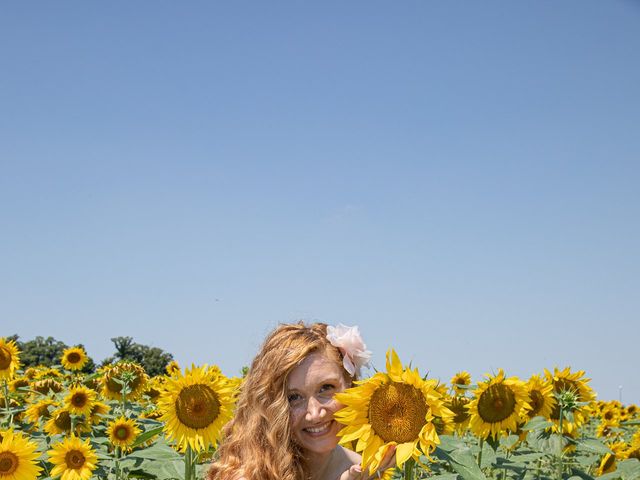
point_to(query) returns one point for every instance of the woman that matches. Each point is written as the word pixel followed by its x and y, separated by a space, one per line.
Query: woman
pixel 283 427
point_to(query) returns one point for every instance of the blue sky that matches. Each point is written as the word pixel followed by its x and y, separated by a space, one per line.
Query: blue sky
pixel 460 179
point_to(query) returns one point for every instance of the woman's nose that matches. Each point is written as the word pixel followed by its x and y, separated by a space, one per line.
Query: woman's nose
pixel 315 409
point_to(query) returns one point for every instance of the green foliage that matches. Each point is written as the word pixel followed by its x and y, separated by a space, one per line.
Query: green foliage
pixel 45 351
pixel 153 359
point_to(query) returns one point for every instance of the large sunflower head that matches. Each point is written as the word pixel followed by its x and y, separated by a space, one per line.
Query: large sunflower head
pixel 541 399
pixel 73 458
pixel 80 400
pixel 74 358
pixel 568 384
pixel 129 372
pixel 195 406
pixel 459 381
pixel 397 407
pixel 122 432
pixel 9 358
pixel 498 405
pixel 18 457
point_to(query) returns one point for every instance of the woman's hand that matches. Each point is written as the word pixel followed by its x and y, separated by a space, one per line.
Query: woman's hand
pixel 355 471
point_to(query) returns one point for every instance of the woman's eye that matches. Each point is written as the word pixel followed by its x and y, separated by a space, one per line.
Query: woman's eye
pixel 327 387
pixel 294 397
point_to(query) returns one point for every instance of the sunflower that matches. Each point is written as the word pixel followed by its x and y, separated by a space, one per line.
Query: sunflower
pixel 74 358
pixel 459 380
pixel 80 400
pixel 18 457
pixel 123 432
pixel 18 383
pixel 9 358
pixel 541 399
pixel 607 429
pixel 195 406
pixel 565 381
pixel 393 408
pixel 97 411
pixel 632 410
pixel 46 385
pixel 60 422
pixel 40 410
pixel 72 458
pixel 461 417
pixel 172 368
pixel 133 373
pixel 498 405
pixel 610 414
pixel 154 387
pixel 609 460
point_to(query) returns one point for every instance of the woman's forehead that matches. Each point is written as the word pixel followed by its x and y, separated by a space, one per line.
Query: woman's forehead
pixel 314 368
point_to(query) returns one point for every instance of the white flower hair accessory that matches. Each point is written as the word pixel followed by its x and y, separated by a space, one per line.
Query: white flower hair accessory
pixel 354 351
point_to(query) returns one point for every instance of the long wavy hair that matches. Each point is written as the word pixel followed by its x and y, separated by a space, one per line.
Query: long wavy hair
pixel 257 444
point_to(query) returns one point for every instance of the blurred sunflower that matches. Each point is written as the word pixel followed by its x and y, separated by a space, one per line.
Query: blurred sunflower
pixel 40 410
pixel 393 408
pixel 122 432
pixel 46 385
pixel 154 387
pixel 18 457
pixel 97 411
pixel 564 381
pixel 18 383
pixel 73 459
pixel 195 406
pixel 541 399
pixel 461 416
pixel 133 373
pixel 9 358
pixel 632 410
pixel 460 379
pixel 498 405
pixel 74 358
pixel 610 414
pixel 608 462
pixel 172 368
pixel 607 429
pixel 60 422
pixel 80 400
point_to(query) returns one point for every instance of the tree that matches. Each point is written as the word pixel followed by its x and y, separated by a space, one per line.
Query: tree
pixel 153 359
pixel 45 351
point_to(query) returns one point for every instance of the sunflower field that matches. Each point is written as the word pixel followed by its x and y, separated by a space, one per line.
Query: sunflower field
pixel 118 423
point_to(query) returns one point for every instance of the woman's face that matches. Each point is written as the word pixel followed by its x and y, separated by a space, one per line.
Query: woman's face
pixel 310 389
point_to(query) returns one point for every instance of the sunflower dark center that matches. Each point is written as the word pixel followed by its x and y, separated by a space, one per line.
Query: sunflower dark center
pixel 122 432
pixel 74 357
pixel 8 463
pixel 79 399
pixel 608 415
pixel 197 406
pixel 5 358
pixel 397 412
pixel 536 400
pixel 496 403
pixel 74 459
pixel 634 453
pixel 63 421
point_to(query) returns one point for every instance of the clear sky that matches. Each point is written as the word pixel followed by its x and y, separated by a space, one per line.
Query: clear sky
pixel 459 179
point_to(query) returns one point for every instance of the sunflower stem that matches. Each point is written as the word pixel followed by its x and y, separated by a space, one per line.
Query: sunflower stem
pixel 409 469
pixel 5 387
pixel 481 445
pixel 188 464
pixel 559 459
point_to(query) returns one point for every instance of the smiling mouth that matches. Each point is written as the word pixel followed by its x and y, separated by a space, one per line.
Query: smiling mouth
pixel 319 429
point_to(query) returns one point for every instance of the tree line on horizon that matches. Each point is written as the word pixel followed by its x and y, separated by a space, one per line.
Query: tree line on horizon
pixel 48 351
